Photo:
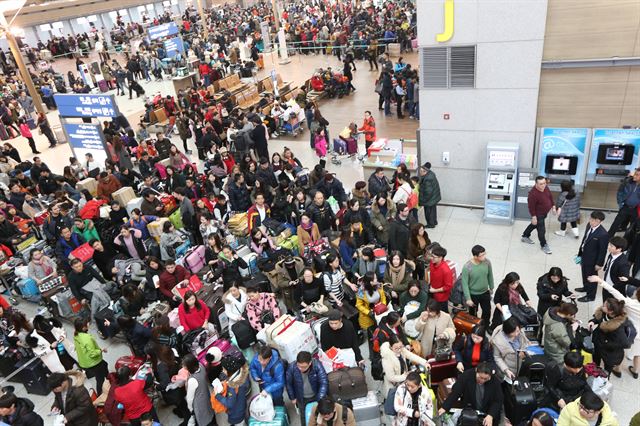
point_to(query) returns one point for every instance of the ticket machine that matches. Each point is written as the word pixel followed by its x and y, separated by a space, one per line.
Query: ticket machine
pixel 500 184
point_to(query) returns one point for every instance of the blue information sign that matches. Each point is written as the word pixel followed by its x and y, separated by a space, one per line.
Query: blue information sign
pixel 174 47
pixel 85 105
pixel 163 30
pixel 86 139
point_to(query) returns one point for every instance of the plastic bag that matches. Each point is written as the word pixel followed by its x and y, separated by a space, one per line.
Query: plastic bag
pixel 261 408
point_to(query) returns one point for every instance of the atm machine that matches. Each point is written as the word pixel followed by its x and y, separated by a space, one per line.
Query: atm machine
pixel 500 184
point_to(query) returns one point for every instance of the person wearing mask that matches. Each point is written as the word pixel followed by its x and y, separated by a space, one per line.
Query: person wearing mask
pixel 193 313
pixel 559 331
pixel 540 203
pixel 429 194
pixel 400 230
pixel 551 288
pixel 472 349
pixel 238 385
pixel 435 327
pixel 412 403
pixel 133 396
pixel 89 354
pixel 198 393
pixel 565 381
pixel 268 372
pixel 172 276
pixel 16 411
pixel 306 381
pixel 592 253
pixel 509 343
pixel 509 292
pixel 330 413
pixel 479 389
pixel 440 278
pixel 396 363
pixel 339 334
pixel 609 337
pixel 588 410
pixel 370 299
pixel 72 399
pixel 477 283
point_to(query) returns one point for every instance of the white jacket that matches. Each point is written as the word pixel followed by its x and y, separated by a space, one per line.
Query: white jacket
pixel 393 374
pixel 48 355
pixel 234 308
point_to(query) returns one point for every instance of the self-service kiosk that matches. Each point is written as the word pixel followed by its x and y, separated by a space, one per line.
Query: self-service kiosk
pixel 614 153
pixel 562 155
pixel 500 184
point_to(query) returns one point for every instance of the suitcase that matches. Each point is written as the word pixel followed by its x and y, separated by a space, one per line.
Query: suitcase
pixel 133 362
pixel 261 281
pixel 225 347
pixel 339 146
pixel 347 384
pixel 352 146
pixel 366 409
pixel 245 334
pixel 441 370
pixel 34 376
pixel 520 402
pixel 124 195
pixel 252 263
pixel 194 259
pixel 281 419
pixel 464 322
pixel 308 410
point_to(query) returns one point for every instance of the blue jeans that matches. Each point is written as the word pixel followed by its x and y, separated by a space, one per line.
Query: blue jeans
pixel 387 105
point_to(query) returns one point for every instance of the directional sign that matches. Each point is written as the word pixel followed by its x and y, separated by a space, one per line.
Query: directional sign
pixel 174 47
pixel 84 139
pixel 85 105
pixel 164 30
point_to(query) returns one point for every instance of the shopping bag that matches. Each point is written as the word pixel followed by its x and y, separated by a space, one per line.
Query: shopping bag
pixel 83 253
pixel 176 219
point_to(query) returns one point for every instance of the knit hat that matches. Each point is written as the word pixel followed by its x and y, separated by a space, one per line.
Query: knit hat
pixel 232 364
pixel 214 355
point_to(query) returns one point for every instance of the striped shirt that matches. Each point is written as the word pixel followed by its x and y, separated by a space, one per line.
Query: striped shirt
pixel 333 283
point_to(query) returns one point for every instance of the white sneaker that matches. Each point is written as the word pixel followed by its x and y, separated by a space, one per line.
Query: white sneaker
pixel 546 249
pixel 560 233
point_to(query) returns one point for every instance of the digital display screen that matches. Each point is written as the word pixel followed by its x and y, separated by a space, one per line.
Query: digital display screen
pixel 561 164
pixel 614 154
pixel 496 178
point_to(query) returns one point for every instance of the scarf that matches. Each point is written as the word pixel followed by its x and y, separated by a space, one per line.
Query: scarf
pixel 514 297
pixel 307 227
pixel 397 274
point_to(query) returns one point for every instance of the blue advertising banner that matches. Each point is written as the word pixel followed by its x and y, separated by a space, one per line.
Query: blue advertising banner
pixel 86 139
pixel 564 141
pixel 613 136
pixel 163 30
pixel 85 105
pixel 174 47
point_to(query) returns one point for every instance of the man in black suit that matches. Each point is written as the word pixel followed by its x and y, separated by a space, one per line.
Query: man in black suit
pixel 616 266
pixel 480 379
pixel 592 253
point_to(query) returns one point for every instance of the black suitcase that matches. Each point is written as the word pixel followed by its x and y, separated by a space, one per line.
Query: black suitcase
pixel 261 281
pixel 521 401
pixel 34 376
pixel 245 334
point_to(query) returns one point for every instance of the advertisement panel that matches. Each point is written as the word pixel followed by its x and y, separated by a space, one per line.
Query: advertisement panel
pixel 564 141
pixel 163 30
pixel 86 105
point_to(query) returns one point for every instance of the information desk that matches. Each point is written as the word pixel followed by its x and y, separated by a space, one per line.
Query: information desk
pixel 185 82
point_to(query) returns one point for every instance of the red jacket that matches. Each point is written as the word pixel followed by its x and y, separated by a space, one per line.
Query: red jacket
pixel 168 281
pixel 539 203
pixel 133 397
pixel 194 318
pixel 369 129
pixel 253 216
pixel 440 277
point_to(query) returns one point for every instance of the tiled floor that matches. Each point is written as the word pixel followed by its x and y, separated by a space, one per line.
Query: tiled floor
pixel 458 230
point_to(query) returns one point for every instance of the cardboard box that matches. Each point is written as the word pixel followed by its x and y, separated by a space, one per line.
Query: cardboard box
pixel 124 195
pixel 90 184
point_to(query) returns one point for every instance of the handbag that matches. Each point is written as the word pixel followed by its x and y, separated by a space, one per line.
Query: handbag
pixel 442 351
pixel 525 314
pixel 380 308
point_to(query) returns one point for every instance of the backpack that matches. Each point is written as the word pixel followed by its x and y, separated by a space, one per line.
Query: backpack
pixel 457 292
pixel 375 341
pixel 630 333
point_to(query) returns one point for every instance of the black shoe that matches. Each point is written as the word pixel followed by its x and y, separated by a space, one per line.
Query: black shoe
pixel 581 289
pixel 633 372
pixel 586 299
pixel 616 373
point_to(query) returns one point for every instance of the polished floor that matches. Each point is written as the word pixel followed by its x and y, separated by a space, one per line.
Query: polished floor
pixel 458 230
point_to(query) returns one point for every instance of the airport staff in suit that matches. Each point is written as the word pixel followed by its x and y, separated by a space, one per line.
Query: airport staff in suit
pixel 592 252
pixel 616 267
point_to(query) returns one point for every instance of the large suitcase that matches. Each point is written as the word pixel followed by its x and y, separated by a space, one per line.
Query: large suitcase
pixel 33 376
pixel 134 204
pixel 520 402
pixel 352 146
pixel 245 334
pixel 281 419
pixel 194 259
pixel 441 370
pixel 347 384
pixel 124 195
pixel 366 409
pixel 339 146
pixel 290 337
pixel 464 322
pixel 133 362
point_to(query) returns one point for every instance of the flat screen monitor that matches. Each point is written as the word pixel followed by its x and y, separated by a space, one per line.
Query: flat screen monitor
pixel 561 164
pixel 615 154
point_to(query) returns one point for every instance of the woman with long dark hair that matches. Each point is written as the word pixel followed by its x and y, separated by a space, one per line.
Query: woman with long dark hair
pixel 552 287
pixel 165 366
pixel 193 313
pixel 509 292
pixel 89 353
pixel 370 299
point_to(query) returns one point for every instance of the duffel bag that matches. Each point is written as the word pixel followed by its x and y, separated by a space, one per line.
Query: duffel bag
pixel 347 384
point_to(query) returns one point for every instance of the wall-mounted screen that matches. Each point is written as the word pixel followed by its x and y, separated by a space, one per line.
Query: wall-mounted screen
pixel 615 154
pixel 561 164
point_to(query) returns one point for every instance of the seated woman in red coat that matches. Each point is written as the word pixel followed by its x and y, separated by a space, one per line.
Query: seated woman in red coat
pixel 132 395
pixel 193 313
pixel 172 276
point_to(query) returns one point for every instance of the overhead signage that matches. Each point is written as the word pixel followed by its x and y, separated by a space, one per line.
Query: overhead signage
pixel 564 141
pixel 174 47
pixel 86 139
pixel 86 105
pixel 163 30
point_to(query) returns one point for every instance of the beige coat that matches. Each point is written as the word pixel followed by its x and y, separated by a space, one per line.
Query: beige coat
pixel 434 327
pixel 503 354
pixel 393 375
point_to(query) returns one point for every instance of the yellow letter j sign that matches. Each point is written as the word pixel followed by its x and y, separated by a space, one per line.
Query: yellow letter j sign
pixel 448 23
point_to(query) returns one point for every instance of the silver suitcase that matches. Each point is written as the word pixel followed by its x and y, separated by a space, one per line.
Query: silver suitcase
pixel 367 409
